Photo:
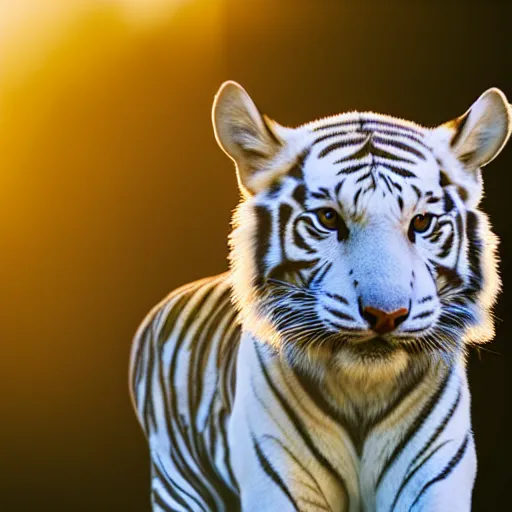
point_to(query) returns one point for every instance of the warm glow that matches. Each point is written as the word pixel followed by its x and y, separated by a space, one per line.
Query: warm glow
pixel 93 95
pixel 147 10
pixel 27 27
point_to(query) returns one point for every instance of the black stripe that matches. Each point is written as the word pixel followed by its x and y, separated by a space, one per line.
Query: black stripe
pixel 274 189
pixel 313 233
pixel 287 267
pixel 439 429
pixel 308 220
pixel 337 297
pixel 332 134
pixel 396 185
pixel 445 221
pixel 138 369
pixel 171 409
pixel 351 168
pixel 338 327
pixel 173 314
pixel 363 177
pixel 318 274
pixel 444 180
pixel 172 487
pixel 340 144
pixel 447 246
pixel 475 249
pixel 449 205
pixel 371 186
pixel 363 151
pixel 435 235
pixel 404 135
pixel 285 212
pixel 339 314
pixel 377 122
pixel 200 347
pixel 321 193
pixel 423 315
pixel 414 427
pixel 269 470
pixel 404 173
pixel 227 461
pixel 157 500
pixel 306 470
pixel 399 145
pixel 326 192
pixel 386 180
pixel 463 193
pixel 300 242
pixel 297 171
pixel 450 275
pixel 299 425
pixel 370 148
pixel 356 197
pixel 337 188
pixel 395 126
pixel 299 194
pixel 148 413
pixel 318 398
pixel 414 471
pixel 452 464
pixel 262 243
pixel 417 191
pixel 460 230
pixel 339 124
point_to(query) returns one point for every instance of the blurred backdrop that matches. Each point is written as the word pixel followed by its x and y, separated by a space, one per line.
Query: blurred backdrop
pixel 113 192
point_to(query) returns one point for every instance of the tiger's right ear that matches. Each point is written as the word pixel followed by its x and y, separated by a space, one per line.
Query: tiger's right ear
pixel 243 133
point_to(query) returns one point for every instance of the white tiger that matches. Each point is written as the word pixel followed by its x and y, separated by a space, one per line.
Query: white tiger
pixel 326 369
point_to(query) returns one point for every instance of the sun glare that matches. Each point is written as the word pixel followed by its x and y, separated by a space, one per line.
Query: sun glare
pixel 148 10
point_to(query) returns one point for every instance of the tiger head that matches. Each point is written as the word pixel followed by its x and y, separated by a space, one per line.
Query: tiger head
pixel 358 237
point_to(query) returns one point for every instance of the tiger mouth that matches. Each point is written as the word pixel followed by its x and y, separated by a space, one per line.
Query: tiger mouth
pixel 374 346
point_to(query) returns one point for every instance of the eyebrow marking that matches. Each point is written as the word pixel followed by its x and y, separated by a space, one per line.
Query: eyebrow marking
pixel 338 188
pixel 321 193
pixel 417 191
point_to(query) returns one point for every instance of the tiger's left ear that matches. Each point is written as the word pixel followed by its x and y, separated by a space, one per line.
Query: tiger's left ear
pixel 480 134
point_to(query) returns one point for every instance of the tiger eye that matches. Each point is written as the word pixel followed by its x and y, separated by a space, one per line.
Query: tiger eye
pixel 420 223
pixel 328 217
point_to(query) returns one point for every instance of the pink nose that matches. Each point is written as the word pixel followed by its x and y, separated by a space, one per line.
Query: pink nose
pixel 383 322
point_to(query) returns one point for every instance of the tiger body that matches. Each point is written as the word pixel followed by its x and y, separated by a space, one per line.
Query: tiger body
pixel 326 369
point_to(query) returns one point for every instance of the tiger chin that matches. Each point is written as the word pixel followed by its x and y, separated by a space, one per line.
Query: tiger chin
pixel 326 369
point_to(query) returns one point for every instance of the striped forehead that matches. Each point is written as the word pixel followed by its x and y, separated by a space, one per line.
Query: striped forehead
pixel 361 159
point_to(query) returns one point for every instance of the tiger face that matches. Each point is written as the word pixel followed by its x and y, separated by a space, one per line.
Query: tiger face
pixel 358 238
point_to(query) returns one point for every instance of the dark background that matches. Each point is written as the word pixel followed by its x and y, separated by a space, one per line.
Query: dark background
pixel 113 192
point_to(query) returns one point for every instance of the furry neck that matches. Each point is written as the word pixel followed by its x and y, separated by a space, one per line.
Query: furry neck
pixel 359 394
